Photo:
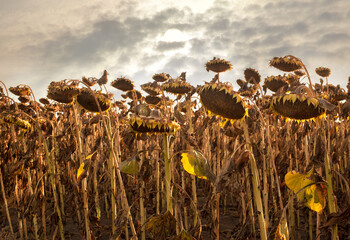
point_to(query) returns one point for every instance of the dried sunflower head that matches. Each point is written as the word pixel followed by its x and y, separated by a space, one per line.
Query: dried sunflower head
pixel 86 99
pixel 152 88
pixel 323 71
pixel 177 86
pixel 152 125
pixel 24 99
pixel 221 100
pixel 15 120
pixel 20 90
pixel 44 101
pixel 91 81
pixel 218 65
pixel 339 96
pixel 62 92
pixel 103 79
pixel 297 107
pixel 123 84
pixel 161 77
pixel 134 94
pixel 252 76
pixel 275 82
pixel 250 91
pixel 286 63
pixel 153 100
pixel 299 73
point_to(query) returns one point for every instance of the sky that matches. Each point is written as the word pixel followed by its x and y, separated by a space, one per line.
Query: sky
pixel 43 41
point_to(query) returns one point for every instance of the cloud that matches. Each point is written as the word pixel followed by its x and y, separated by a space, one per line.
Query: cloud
pixel 129 42
pixel 166 46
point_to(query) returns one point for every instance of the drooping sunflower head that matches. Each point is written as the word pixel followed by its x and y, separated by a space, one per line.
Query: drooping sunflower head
pixel 177 86
pixel 221 100
pixel 336 93
pixel 104 78
pixel 252 76
pixel 91 81
pixel 274 83
pixel 323 71
pixel 152 125
pixel 24 99
pixel 62 92
pixel 299 73
pixel 152 88
pixel 24 125
pixel 123 84
pixel 250 91
pixel 44 101
pixel 286 63
pixel 20 91
pixel 87 100
pixel 297 107
pixel 161 77
pixel 153 100
pixel 134 94
pixel 218 65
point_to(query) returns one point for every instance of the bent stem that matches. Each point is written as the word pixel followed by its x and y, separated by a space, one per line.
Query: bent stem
pixel 255 181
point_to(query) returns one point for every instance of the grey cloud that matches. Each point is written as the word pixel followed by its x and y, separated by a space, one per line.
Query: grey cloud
pixel 334 38
pixel 165 46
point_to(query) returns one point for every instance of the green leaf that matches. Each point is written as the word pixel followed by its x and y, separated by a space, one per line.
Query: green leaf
pixel 196 164
pixel 313 195
pixel 130 166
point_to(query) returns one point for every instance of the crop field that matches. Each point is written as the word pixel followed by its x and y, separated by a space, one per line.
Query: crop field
pixel 269 160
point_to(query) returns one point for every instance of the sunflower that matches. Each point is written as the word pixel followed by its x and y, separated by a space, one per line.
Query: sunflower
pixel 286 63
pixel 12 119
pixel 218 65
pixel 87 100
pixel 177 86
pixel 275 82
pixel 134 93
pixel 297 107
pixel 44 101
pixel 153 100
pixel 104 78
pixel 323 71
pixel 221 100
pixel 250 91
pixel 24 99
pixel 62 92
pixel 91 81
pixel 20 91
pixel 152 125
pixel 299 73
pixel 252 76
pixel 152 88
pixel 123 84
pixel 161 77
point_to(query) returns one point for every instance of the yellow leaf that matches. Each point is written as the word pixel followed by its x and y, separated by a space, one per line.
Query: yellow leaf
pixel 81 170
pixel 312 195
pixel 196 164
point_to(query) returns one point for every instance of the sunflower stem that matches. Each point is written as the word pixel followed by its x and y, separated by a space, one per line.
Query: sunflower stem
pixel 255 181
pixel 169 204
